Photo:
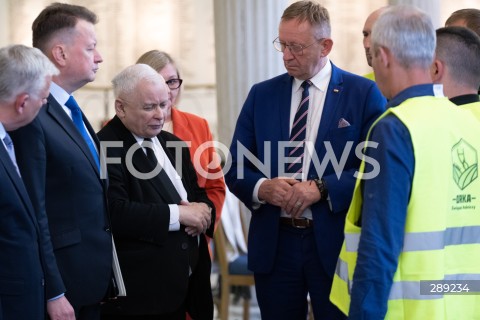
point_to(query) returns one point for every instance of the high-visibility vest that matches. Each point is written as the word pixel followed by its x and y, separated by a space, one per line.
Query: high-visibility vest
pixel 442 232
pixel 370 76
pixel 474 107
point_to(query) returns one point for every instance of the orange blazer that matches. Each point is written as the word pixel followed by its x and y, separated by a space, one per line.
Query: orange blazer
pixel 194 129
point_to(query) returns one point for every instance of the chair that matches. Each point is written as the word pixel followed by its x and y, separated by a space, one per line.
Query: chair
pixel 233 273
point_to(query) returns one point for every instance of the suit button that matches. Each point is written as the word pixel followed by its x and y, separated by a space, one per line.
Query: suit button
pixel 107 229
pixel 184 246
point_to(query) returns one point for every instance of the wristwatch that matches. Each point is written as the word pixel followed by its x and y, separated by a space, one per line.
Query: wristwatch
pixel 322 187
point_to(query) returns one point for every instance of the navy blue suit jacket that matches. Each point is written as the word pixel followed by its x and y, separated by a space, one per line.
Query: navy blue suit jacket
pixel 21 255
pixel 265 117
pixel 62 180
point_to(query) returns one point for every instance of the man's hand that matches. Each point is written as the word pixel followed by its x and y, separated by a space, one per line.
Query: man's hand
pixel 196 216
pixel 60 309
pixel 273 191
pixel 300 196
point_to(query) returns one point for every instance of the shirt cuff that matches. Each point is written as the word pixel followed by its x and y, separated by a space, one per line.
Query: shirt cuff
pixel 57 297
pixel 256 202
pixel 174 217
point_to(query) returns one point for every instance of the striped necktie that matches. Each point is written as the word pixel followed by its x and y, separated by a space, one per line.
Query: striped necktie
pixel 297 136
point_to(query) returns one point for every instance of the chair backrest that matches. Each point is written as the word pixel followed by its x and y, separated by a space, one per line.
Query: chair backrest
pixel 220 241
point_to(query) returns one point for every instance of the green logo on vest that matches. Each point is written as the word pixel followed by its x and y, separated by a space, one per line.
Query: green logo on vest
pixel 465 164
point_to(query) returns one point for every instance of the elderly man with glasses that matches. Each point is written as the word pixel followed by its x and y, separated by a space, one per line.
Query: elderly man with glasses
pixel 305 129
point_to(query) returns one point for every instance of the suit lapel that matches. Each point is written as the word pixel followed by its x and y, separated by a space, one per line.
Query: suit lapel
pixel 334 92
pixel 17 182
pixel 285 103
pixel 55 110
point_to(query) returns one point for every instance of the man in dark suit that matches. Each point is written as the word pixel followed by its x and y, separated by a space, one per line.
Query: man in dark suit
pixel 159 218
pixel 58 159
pixel 307 145
pixel 25 249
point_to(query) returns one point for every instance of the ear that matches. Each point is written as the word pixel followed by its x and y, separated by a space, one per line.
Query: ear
pixel 327 47
pixel 119 108
pixel 385 56
pixel 59 55
pixel 20 102
pixel 437 71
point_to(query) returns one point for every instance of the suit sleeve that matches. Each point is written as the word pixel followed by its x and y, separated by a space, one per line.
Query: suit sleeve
pixel 340 189
pixel 241 177
pixel 31 158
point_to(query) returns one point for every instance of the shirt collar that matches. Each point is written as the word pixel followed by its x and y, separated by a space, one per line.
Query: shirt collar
pixel 465 99
pixel 411 92
pixel 59 93
pixel 3 132
pixel 320 80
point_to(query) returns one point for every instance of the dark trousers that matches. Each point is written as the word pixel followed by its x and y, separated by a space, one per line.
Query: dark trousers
pixel 297 271
pixel 178 314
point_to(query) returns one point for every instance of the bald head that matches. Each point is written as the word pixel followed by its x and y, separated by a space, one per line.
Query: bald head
pixel 367 31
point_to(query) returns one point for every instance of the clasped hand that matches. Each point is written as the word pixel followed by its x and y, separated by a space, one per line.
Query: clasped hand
pixel 291 195
pixel 196 216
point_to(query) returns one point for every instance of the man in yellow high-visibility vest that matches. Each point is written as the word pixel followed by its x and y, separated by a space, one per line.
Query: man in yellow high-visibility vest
pixel 413 227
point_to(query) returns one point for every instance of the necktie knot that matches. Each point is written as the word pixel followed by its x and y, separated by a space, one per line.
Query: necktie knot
pixel 306 84
pixel 72 104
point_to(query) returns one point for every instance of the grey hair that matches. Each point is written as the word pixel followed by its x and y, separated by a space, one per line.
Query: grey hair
pixel 312 12
pixel 408 33
pixel 125 83
pixel 23 70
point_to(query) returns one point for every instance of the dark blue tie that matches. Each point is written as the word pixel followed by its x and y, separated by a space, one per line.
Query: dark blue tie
pixel 297 136
pixel 78 121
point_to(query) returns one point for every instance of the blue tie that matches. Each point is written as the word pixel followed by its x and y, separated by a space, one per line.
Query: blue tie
pixel 11 151
pixel 78 121
pixel 297 136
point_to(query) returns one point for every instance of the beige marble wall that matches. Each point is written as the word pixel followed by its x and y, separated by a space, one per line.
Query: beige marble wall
pixel 185 28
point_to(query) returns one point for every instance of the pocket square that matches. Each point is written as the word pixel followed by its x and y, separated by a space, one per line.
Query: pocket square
pixel 342 123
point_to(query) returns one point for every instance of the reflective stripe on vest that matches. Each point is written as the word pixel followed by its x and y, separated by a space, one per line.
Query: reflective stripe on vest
pixel 436 240
pixel 404 289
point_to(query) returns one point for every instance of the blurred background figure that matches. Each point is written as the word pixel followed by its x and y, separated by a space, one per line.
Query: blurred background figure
pixel 367 31
pixel 468 18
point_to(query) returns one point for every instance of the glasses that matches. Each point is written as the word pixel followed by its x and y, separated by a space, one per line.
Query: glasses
pixel 174 83
pixel 294 47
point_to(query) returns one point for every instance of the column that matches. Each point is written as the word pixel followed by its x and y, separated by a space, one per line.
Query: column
pixel 244 31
